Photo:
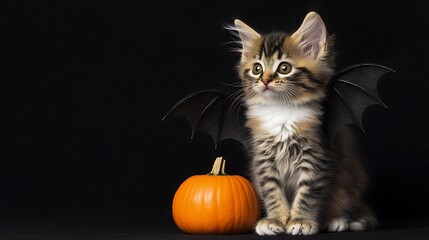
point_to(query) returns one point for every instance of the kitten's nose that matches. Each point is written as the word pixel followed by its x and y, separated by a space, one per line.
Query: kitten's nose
pixel 266 81
pixel 267 77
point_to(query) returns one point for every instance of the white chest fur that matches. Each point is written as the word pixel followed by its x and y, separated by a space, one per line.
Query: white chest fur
pixel 280 121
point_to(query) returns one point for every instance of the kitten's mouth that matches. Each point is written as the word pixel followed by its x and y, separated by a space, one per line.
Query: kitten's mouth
pixel 266 90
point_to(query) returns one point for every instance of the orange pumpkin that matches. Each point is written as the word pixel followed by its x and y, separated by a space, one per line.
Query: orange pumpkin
pixel 216 203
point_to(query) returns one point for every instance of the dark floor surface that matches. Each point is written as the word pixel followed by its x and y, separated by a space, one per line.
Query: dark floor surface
pixel 142 231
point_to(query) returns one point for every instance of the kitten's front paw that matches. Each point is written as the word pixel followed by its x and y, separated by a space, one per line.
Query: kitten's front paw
pixel 302 227
pixel 269 227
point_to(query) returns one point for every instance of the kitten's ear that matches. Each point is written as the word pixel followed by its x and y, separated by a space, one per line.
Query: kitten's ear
pixel 311 36
pixel 247 35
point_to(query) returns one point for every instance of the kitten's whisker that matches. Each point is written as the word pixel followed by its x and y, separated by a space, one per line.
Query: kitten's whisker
pixel 235 85
pixel 236 98
pixel 235 44
pixel 285 96
pixel 241 100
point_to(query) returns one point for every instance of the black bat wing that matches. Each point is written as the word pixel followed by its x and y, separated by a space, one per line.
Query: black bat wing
pixel 351 91
pixel 214 112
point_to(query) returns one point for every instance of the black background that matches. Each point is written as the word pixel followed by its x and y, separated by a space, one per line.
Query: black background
pixel 84 85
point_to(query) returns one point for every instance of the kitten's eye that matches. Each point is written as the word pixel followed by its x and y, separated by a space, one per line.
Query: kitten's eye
pixel 257 69
pixel 284 68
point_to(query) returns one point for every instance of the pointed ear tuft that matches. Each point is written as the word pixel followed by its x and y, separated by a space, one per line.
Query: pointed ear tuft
pixel 311 36
pixel 247 35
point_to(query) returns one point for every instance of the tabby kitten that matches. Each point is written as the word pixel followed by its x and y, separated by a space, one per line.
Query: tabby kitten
pixel 304 186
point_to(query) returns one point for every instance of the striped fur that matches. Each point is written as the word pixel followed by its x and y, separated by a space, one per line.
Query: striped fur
pixel 303 185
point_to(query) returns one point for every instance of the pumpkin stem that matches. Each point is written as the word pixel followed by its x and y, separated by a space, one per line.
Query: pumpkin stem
pixel 218 167
pixel 222 170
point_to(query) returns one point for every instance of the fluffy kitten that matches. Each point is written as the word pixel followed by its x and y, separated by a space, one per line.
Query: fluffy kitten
pixel 304 185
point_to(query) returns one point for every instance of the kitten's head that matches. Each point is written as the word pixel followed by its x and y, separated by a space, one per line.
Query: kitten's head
pixel 283 68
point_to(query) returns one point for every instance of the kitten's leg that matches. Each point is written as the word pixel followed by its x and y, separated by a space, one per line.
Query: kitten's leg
pixel 276 204
pixel 304 213
pixel 312 184
pixel 340 203
pixel 345 208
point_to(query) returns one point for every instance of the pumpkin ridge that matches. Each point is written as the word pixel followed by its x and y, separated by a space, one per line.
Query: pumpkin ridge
pixel 216 201
pixel 245 193
pixel 195 188
pixel 257 201
pixel 189 187
pixel 234 207
pixel 240 196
